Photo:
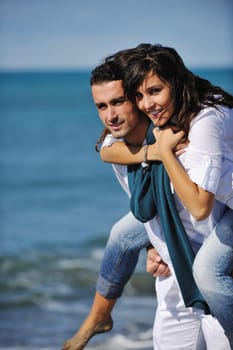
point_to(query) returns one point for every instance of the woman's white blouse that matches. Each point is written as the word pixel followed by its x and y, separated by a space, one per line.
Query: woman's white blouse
pixel 209 162
pixel 209 157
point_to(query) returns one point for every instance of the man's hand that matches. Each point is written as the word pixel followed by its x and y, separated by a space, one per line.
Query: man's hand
pixel 155 265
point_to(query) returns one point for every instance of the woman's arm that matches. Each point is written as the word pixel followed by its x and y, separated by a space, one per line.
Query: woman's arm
pixel 120 153
pixel 197 201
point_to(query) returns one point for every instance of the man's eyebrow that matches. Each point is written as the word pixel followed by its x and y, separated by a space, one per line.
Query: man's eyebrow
pixel 113 101
pixel 100 104
pixel 120 98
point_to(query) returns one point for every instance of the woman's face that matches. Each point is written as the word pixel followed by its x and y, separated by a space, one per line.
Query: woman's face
pixel 154 98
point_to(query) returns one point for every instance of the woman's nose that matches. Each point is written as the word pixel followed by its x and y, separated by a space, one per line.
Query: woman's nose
pixel 146 103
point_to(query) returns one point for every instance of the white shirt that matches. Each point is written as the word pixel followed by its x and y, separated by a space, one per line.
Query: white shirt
pixel 209 156
pixel 208 161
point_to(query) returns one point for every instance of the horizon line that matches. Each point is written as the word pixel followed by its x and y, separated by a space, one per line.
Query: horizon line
pixel 88 69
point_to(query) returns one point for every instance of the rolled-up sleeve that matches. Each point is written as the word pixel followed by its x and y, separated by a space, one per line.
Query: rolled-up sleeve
pixel 203 158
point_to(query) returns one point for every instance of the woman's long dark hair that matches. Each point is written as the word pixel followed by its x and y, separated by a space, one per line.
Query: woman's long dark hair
pixel 190 92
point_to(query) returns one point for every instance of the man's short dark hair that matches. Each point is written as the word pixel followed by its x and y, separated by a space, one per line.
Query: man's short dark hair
pixel 105 72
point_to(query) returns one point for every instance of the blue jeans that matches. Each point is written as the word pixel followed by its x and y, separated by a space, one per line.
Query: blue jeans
pixel 127 238
pixel 212 268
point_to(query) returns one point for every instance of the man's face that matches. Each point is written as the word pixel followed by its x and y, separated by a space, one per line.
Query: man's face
pixel 115 111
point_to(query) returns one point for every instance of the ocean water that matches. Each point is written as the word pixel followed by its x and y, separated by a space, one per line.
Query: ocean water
pixel 58 202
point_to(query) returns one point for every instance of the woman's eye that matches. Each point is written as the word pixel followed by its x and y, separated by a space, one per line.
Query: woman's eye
pixel 138 96
pixel 154 91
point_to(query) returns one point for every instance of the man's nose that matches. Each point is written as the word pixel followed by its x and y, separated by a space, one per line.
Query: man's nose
pixel 111 114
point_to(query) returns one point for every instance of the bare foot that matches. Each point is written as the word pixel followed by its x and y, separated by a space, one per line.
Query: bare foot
pixel 86 332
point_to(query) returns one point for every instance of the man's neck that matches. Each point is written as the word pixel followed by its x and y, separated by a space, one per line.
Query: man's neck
pixel 137 137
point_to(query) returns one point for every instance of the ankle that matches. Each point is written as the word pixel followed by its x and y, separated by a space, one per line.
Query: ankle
pixel 99 316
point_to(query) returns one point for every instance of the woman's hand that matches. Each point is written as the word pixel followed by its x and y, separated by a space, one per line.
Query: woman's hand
pixel 154 150
pixel 167 140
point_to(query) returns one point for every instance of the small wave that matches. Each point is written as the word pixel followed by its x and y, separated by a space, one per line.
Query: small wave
pixel 67 307
pixel 56 306
pixel 71 264
pixel 97 254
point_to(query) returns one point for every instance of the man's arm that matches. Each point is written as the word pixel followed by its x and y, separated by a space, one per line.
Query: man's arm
pixel 155 265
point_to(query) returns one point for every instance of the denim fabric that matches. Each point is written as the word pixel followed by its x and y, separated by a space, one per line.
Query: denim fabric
pixel 127 238
pixel 212 267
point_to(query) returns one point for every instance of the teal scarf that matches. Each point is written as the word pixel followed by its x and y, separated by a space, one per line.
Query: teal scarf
pixel 151 195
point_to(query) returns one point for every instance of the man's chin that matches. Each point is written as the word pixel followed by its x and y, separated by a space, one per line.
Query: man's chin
pixel 117 135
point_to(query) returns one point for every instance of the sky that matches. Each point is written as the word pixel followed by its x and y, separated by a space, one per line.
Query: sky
pixel 70 34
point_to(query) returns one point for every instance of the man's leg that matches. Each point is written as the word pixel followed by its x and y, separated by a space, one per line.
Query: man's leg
pixel 175 327
pixel 127 238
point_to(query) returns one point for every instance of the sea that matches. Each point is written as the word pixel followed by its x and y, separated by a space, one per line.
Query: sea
pixel 58 202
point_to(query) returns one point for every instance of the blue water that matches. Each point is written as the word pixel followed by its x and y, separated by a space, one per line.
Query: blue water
pixel 58 202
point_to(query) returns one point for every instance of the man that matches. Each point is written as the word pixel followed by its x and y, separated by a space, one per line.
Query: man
pixel 175 325
pixel 127 238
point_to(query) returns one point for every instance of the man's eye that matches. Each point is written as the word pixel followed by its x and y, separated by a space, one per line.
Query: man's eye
pixel 101 107
pixel 118 103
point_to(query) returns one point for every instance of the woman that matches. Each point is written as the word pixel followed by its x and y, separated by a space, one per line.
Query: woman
pixel 183 106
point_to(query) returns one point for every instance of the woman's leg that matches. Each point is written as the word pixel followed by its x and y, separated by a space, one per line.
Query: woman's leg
pixel 97 321
pixel 127 238
pixel 213 268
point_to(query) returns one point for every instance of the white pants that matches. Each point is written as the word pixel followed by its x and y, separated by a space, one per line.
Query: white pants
pixel 179 328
